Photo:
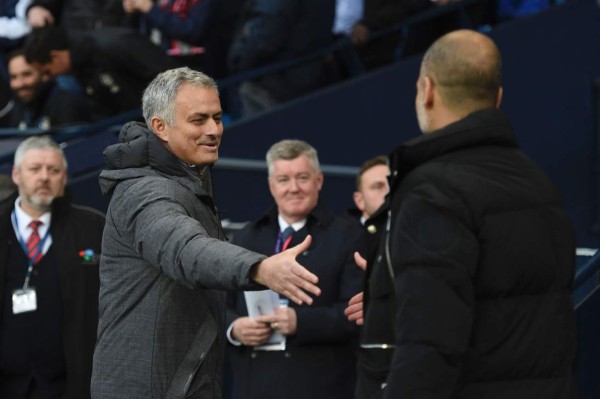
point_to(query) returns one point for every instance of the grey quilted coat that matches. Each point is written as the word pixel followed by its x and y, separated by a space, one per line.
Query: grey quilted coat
pixel 164 265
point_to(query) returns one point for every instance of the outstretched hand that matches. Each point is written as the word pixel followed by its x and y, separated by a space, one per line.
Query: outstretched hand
pixel 283 274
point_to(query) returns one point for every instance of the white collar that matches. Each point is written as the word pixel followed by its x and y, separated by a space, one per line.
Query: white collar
pixel 23 220
pixel 296 226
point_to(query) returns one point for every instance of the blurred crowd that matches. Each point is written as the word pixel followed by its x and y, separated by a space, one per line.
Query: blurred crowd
pixel 99 55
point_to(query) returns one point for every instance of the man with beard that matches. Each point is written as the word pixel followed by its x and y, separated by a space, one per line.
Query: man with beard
pixel 38 103
pixel 49 252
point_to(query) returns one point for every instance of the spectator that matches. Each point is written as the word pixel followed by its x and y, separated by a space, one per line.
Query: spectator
pixel 317 359
pixel 113 66
pixel 49 290
pixel 41 104
pixel 371 186
pixel 179 27
pixel 377 50
pixel 279 30
pixel 13 29
pixel 162 317
pixel 77 17
pixel 469 293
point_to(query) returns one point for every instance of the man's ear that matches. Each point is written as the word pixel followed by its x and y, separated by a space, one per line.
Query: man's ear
pixel 359 200
pixel 499 97
pixel 15 175
pixel 428 91
pixel 159 128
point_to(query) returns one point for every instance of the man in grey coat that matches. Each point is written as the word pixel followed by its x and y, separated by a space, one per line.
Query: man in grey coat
pixel 165 259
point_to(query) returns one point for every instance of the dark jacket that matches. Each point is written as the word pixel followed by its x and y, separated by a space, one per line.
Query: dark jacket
pixel 483 257
pixel 189 23
pixel 114 66
pixel 52 107
pixel 164 265
pixel 73 228
pixel 319 359
pixel 272 31
pixel 84 15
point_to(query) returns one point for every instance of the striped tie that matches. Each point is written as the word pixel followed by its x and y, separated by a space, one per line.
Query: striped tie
pixel 286 238
pixel 33 242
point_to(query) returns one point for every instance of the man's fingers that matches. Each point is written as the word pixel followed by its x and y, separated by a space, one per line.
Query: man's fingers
pixel 358 298
pixel 353 312
pixel 298 296
pixel 305 277
pixel 302 247
pixel 360 261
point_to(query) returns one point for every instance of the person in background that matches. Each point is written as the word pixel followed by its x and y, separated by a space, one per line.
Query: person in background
pixel 179 27
pixel 371 186
pixel 49 253
pixel 271 31
pixel 165 260
pixel 469 292
pixel 13 30
pixel 317 359
pixel 77 17
pixel 38 103
pixel 113 66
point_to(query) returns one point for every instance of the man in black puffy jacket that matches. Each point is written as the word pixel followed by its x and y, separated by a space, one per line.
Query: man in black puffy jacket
pixel 468 294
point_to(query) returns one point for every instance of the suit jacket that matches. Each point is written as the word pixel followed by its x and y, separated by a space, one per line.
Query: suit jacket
pixel 319 359
pixel 73 228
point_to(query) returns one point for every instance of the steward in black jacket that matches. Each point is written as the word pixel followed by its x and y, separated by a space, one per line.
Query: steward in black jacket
pixel 74 229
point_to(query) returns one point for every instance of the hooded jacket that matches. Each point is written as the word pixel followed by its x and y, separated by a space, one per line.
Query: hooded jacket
pixel 162 316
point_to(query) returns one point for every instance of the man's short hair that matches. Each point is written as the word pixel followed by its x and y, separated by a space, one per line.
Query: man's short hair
pixel 42 41
pixel 20 52
pixel 292 149
pixel 159 97
pixel 368 164
pixel 467 75
pixel 39 143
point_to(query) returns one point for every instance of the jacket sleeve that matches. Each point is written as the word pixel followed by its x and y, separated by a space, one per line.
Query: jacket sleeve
pixel 263 33
pixel 15 27
pixel 325 322
pixel 434 254
pixel 191 29
pixel 167 237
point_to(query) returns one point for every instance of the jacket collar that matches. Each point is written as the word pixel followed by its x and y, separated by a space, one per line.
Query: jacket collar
pixel 481 128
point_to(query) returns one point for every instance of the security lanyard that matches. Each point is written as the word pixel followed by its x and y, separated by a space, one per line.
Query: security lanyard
pixel 279 246
pixel 39 249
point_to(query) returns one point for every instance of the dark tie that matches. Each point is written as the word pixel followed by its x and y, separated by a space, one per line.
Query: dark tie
pixel 33 242
pixel 286 237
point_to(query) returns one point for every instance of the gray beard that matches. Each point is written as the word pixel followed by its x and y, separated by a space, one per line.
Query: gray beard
pixel 39 204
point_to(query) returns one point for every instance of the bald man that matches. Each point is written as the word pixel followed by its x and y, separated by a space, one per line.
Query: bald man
pixel 468 295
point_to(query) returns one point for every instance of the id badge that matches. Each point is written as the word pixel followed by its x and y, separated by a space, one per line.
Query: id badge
pixel 24 300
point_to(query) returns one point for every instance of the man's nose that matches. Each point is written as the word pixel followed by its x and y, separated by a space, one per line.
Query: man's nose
pixel 293 185
pixel 44 174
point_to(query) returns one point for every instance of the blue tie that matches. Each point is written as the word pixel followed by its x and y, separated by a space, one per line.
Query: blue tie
pixel 285 235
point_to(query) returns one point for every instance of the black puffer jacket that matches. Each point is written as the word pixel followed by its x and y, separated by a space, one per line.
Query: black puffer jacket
pixel 483 257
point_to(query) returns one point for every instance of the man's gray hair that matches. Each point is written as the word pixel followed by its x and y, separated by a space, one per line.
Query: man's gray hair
pixel 39 143
pixel 292 149
pixel 159 97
